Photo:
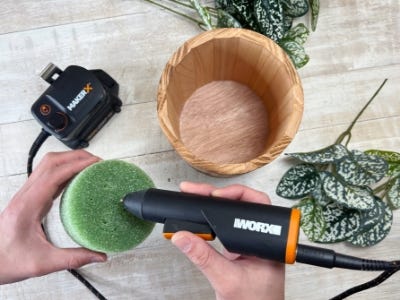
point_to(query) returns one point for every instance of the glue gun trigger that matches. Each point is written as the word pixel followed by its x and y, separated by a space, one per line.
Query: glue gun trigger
pixel 172 226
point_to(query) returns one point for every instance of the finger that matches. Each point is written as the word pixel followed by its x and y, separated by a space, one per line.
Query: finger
pixel 71 258
pixel 241 192
pixel 40 195
pixel 196 188
pixel 55 159
pixel 211 263
pixel 230 255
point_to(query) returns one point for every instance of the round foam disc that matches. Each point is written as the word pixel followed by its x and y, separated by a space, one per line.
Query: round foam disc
pixel 92 212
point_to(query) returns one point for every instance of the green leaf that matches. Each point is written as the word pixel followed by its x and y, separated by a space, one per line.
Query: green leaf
pixel 241 10
pixel 223 4
pixel 369 218
pixel 340 223
pixel 287 23
pixel 318 193
pixel 203 13
pixel 225 20
pixel 393 193
pixel 391 157
pixel 298 182
pixel 314 13
pixel 312 218
pixel 269 17
pixel 330 154
pixel 299 34
pixel 296 53
pixel 295 8
pixel 377 233
pixel 362 169
pixel 350 196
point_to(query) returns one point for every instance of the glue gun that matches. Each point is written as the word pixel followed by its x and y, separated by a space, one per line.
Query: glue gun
pixel 253 229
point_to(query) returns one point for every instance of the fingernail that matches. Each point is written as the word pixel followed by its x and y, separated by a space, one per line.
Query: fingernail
pixel 183 184
pixel 216 193
pixel 183 243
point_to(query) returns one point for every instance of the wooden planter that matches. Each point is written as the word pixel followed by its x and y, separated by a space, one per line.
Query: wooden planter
pixel 229 101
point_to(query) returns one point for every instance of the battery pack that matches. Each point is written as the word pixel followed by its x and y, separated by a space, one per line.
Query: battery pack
pixel 77 104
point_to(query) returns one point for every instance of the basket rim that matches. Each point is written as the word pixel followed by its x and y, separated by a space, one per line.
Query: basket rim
pixel 229 169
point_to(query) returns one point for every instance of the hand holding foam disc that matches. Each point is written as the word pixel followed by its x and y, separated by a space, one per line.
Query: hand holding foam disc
pixel 92 212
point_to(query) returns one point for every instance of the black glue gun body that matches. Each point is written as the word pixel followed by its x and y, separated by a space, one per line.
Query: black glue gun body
pixel 266 231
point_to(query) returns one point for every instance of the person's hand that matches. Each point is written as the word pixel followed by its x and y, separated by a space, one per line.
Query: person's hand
pixel 24 250
pixel 231 275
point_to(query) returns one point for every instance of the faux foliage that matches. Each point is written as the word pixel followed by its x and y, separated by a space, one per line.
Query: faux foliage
pixel 345 195
pixel 272 18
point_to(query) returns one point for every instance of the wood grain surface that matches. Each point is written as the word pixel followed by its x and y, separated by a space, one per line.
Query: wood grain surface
pixel 356 46
pixel 224 122
pixel 226 55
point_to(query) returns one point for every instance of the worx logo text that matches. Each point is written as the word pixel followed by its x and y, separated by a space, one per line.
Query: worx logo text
pixel 257 226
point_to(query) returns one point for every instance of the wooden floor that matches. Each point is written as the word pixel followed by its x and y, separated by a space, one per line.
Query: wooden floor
pixel 356 46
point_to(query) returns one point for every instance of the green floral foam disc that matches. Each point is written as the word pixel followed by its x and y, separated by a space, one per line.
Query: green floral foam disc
pixel 92 212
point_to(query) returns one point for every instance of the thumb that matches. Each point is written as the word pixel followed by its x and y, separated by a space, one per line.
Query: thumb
pixel 74 258
pixel 210 262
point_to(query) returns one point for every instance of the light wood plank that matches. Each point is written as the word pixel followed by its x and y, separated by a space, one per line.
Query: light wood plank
pixel 354 48
pixel 130 49
pixel 354 35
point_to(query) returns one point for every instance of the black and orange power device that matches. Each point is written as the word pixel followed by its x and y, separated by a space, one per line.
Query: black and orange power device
pixel 266 231
pixel 77 103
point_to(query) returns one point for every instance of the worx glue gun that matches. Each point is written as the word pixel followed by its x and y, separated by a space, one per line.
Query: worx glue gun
pixel 266 231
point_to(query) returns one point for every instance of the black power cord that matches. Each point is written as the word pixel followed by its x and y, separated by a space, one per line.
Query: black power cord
pixel 42 137
pixel 327 258
pixel 370 284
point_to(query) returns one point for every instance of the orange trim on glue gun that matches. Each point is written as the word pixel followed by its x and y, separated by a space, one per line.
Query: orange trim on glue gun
pixel 293 236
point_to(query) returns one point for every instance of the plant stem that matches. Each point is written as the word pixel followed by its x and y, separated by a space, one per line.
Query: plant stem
pixel 182 3
pixel 347 132
pixel 383 186
pixel 380 188
pixel 175 11
pixel 211 10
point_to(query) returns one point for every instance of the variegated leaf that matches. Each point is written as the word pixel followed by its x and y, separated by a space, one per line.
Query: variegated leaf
pixel 269 16
pixel 391 157
pixel 393 193
pixel 350 196
pixel 243 12
pixel 287 23
pixel 298 182
pixel 223 4
pixel 295 51
pixel 314 4
pixel 370 218
pixel 298 34
pixel 394 170
pixel 377 233
pixel 318 193
pixel 340 223
pixel 326 155
pixel 225 20
pixel 312 219
pixel 361 169
pixel 295 8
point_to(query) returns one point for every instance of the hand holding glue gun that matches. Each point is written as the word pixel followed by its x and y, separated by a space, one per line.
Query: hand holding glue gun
pixel 254 230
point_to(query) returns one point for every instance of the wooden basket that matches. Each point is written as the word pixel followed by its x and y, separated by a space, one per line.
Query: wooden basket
pixel 229 101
